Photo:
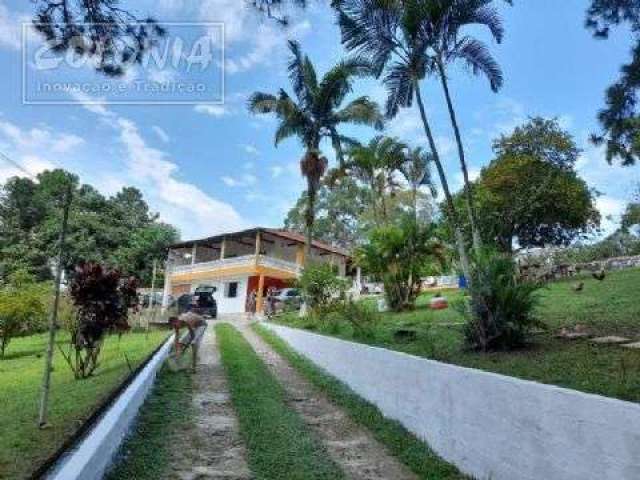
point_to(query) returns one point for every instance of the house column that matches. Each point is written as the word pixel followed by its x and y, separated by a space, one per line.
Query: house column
pixel 300 255
pixel 258 244
pixel 223 248
pixel 167 286
pixel 194 252
pixel 259 298
pixel 342 267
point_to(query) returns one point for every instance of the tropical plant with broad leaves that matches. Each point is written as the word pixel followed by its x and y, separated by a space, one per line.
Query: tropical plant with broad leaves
pixel 501 312
pixel 315 113
pixel 398 254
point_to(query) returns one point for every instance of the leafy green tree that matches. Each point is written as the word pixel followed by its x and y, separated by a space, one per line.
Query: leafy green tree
pixel 398 254
pixel 22 306
pixel 392 36
pixel 119 231
pixel 339 213
pixel 315 114
pixel 620 118
pixel 540 138
pixel 321 287
pixel 525 199
pixel 531 192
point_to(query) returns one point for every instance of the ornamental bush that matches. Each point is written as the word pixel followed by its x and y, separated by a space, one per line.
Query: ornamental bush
pixel 23 307
pixel 102 300
pixel 321 287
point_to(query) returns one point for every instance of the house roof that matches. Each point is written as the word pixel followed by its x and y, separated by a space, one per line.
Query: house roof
pixel 293 236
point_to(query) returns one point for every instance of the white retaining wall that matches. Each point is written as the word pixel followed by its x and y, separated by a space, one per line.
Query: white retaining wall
pixel 94 454
pixel 491 426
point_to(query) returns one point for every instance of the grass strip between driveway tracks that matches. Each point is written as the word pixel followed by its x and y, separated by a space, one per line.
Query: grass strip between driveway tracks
pixel 279 446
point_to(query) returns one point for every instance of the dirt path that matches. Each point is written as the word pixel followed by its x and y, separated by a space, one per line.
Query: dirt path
pixel 352 447
pixel 210 446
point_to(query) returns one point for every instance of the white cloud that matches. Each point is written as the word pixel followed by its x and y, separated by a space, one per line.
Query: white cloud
pixel 181 203
pixel 245 180
pixel 611 210
pixel 162 135
pixel 213 110
pixel 276 171
pixel 10 28
pixel 406 124
pixel 458 182
pixel 93 104
pixel 250 149
pixel 39 138
pixel 30 164
pixel 266 40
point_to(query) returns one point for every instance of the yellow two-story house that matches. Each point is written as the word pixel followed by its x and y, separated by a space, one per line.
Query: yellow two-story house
pixel 240 263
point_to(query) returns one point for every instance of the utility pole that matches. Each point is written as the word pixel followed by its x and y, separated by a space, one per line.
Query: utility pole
pixel 53 318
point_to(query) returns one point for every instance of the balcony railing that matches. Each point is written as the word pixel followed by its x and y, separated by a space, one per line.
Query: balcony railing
pixel 241 261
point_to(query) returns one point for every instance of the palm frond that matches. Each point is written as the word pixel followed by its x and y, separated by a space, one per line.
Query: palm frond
pixel 476 12
pixel 337 82
pixel 477 56
pixel 368 28
pixel 261 102
pixel 399 83
pixel 302 74
pixel 361 111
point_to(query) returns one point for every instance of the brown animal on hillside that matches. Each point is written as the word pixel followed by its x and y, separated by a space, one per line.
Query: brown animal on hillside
pixel 600 276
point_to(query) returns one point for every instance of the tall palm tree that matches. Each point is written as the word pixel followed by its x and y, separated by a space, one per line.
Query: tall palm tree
pixel 390 35
pixel 417 172
pixel 316 113
pixel 376 165
pixel 443 21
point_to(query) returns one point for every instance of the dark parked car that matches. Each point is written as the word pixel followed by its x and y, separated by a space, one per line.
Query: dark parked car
pixel 200 302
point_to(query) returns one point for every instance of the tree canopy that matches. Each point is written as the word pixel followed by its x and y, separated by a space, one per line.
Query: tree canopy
pixel 102 30
pixel 531 194
pixel 620 118
pixel 119 231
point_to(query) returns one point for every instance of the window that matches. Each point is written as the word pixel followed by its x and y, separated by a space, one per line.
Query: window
pixel 231 289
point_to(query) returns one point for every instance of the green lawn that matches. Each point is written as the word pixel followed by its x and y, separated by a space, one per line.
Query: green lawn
pixel 279 446
pixel 609 307
pixel 23 447
pixel 411 451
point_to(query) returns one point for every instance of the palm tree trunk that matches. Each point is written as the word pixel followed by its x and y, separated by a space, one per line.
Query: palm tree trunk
pixel 475 233
pixel 453 215
pixel 310 215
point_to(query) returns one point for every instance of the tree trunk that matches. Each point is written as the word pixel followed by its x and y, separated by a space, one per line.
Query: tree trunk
pixel 309 218
pixel 477 241
pixel 462 250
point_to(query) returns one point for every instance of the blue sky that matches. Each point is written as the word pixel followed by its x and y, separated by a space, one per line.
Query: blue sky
pixel 213 168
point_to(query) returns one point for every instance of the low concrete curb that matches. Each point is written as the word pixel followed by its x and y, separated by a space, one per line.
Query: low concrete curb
pixel 93 455
pixel 493 427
